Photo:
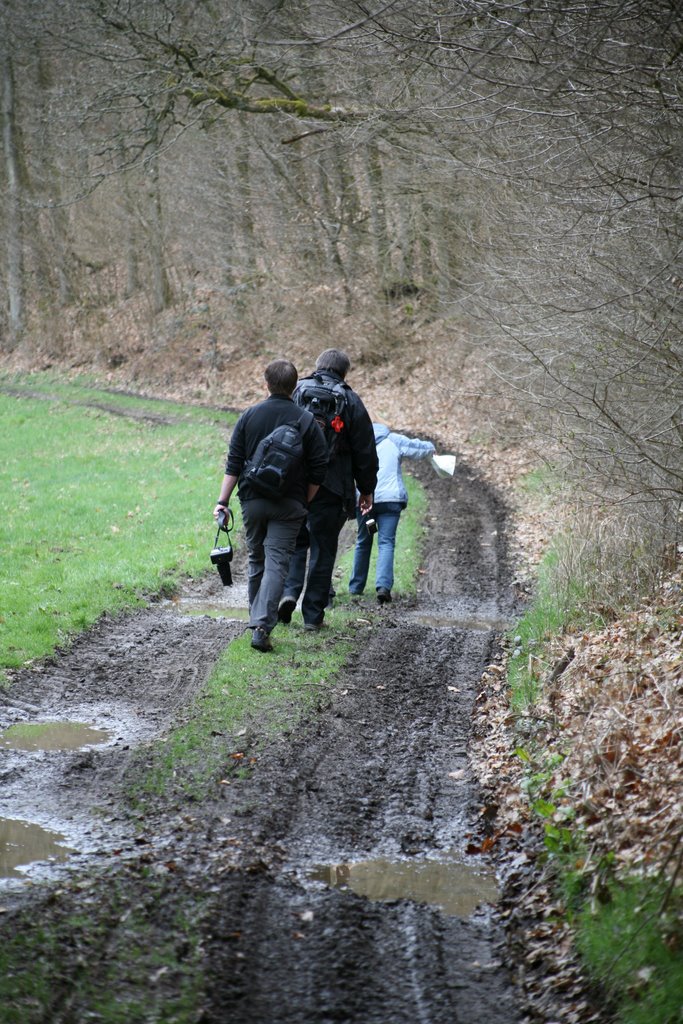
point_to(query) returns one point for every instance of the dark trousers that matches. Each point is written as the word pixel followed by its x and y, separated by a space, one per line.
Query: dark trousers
pixel 271 529
pixel 318 539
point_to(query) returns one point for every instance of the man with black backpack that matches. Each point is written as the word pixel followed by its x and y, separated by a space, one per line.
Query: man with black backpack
pixel 348 430
pixel 278 458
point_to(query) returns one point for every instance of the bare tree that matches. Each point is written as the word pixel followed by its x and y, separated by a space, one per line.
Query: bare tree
pixel 519 162
pixel 13 206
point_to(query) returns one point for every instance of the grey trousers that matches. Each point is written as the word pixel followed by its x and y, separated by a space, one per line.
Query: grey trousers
pixel 271 529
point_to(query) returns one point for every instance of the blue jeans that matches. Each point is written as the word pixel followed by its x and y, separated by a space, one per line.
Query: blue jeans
pixel 386 514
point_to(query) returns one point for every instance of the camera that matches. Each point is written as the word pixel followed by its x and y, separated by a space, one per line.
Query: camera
pixel 221 558
pixel 370 525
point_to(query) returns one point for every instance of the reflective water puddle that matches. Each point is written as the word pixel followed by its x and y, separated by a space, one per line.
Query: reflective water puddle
pixel 451 885
pixel 51 736
pixel 476 623
pixel 190 606
pixel 22 843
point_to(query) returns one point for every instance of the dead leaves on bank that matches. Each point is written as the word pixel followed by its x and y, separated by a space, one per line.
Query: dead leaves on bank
pixel 614 718
pixel 622 706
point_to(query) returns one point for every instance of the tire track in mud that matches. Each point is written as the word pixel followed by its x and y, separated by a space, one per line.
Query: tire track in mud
pixel 380 777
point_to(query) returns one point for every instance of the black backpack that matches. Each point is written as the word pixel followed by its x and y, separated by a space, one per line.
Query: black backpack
pixel 326 399
pixel 276 461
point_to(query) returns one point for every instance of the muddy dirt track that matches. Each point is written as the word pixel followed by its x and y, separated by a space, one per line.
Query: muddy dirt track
pixel 332 884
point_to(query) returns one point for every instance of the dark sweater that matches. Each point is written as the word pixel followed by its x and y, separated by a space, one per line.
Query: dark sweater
pixel 258 421
pixel 354 463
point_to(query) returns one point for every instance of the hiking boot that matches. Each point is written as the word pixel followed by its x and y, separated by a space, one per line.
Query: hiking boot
pixel 260 640
pixel 285 609
pixel 383 595
pixel 313 627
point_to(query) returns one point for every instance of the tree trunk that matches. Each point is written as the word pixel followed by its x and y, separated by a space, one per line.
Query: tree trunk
pixel 378 217
pixel 161 288
pixel 331 222
pixel 13 208
pixel 424 244
pixel 247 231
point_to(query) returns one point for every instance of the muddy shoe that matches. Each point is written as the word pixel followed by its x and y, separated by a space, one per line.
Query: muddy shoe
pixel 285 609
pixel 383 595
pixel 260 640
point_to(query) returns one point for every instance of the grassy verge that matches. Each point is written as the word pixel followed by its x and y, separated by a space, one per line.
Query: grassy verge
pixel 98 512
pixel 628 929
pixel 555 608
pixel 83 391
pixel 632 945
pixel 247 700
pixel 120 948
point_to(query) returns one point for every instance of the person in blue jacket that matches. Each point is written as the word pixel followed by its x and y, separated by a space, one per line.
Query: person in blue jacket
pixel 390 499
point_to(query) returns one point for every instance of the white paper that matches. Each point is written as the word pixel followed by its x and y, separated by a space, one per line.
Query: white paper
pixel 444 464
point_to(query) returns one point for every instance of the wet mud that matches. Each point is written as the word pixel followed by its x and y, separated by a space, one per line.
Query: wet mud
pixel 334 883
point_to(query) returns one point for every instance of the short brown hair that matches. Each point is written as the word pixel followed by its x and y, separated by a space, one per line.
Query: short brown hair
pixel 281 377
pixel 334 359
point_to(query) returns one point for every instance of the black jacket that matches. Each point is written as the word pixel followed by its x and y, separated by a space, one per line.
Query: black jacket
pixel 258 421
pixel 354 462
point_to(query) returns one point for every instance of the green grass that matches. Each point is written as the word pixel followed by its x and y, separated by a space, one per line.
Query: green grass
pixel 122 941
pixel 634 948
pixel 246 692
pixel 542 482
pixel 98 512
pixel 83 391
pixel 546 617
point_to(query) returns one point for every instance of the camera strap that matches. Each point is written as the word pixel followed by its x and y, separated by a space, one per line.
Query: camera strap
pixel 226 521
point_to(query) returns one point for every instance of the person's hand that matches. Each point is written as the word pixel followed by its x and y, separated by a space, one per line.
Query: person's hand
pixel 365 503
pixel 218 509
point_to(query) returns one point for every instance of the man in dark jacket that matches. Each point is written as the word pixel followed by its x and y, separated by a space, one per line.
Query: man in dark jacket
pixel 271 525
pixel 352 466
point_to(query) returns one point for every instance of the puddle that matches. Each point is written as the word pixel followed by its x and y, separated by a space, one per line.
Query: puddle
pixel 191 606
pixel 51 736
pixel 451 885
pixel 22 843
pixel 477 623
